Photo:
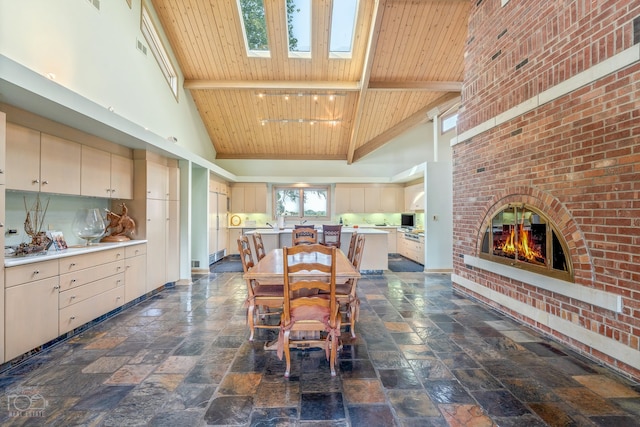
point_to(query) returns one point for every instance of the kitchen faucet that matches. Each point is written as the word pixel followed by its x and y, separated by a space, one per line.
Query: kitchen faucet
pixel 270 225
pixel 303 222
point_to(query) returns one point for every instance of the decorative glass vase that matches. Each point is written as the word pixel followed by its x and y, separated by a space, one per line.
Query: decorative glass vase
pixel 88 224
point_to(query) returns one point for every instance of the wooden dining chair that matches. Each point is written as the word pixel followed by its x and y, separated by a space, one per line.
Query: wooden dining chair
pixel 260 298
pixel 305 311
pixel 346 292
pixel 259 245
pixel 331 235
pixel 304 236
pixel 352 246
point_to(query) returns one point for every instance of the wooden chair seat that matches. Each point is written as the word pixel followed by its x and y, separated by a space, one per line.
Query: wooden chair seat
pixel 304 236
pixel 331 235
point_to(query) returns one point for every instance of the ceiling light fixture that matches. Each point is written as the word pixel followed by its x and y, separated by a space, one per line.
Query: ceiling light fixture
pixel 264 122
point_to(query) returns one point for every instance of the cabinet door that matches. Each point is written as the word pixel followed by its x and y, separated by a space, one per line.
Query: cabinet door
pixel 95 172
pixel 237 199
pixel 391 199
pixel 157 181
pixel 249 199
pixel 31 316
pixel 23 152
pixel 3 145
pixel 234 235
pixel 173 190
pixel 156 238
pixel 172 241
pixel 342 200
pixel 372 199
pixel 121 177
pixel 60 165
pixel 135 277
pixel 260 199
pixel 357 199
pixel 2 231
pixel 350 200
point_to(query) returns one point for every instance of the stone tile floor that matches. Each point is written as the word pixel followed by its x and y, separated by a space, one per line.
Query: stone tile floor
pixel 424 356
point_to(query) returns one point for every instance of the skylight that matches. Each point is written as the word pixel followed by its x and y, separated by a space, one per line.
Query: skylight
pixel 299 27
pixel 343 21
pixel 254 27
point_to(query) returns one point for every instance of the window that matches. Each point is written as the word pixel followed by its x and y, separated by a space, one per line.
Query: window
pixel 449 122
pixel 254 27
pixel 159 52
pixel 299 28
pixel 343 23
pixel 301 202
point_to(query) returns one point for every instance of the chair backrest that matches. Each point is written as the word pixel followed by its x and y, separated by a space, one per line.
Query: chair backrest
pixel 304 236
pixel 352 246
pixel 357 253
pixel 331 235
pixel 303 291
pixel 259 245
pixel 244 248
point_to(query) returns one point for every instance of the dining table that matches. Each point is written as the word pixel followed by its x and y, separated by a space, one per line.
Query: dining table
pixel 270 269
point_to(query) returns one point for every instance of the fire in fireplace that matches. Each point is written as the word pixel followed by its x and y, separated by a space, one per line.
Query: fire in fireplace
pixel 521 235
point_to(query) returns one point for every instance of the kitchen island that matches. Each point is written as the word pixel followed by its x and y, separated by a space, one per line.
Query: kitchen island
pixel 374 257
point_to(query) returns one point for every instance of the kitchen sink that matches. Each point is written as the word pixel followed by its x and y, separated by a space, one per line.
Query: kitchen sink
pixel 380 225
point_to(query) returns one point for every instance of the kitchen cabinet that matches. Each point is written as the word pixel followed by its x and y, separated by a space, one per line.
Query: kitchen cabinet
pixel 105 175
pixel 41 162
pixel 3 127
pixel 383 199
pixel 349 199
pixel 414 197
pixel 249 198
pixel 135 274
pixel 234 235
pixel 411 248
pixel 156 204
pixel 31 309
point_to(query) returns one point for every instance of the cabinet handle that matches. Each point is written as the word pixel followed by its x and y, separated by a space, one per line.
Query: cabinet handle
pixel 45 182
pixel 36 272
pixel 73 280
pixel 1 171
pixel 35 181
pixel 56 287
pixel 1 224
pixel 73 297
pixel 113 190
pixel 73 264
pixel 72 318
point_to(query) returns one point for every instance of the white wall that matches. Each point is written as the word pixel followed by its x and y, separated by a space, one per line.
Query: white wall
pixel 93 53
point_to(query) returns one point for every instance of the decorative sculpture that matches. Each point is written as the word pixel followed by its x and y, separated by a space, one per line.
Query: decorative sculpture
pixel 120 228
pixel 40 242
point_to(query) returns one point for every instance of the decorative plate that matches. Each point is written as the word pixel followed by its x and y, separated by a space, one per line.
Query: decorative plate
pixel 235 220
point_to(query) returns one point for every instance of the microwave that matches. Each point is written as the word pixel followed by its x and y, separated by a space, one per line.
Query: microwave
pixel 408 220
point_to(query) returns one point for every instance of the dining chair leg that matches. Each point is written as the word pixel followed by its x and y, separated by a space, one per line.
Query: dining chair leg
pixel 287 354
pixel 250 320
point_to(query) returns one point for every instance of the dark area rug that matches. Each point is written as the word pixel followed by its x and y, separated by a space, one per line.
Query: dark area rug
pixel 228 264
pixel 400 264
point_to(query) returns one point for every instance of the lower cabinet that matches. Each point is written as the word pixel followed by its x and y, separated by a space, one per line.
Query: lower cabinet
pixel 50 298
pixel 414 250
pixel 31 315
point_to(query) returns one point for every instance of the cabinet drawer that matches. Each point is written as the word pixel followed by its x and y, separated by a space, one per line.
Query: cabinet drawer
pixel 84 292
pixel 80 262
pixel 76 315
pixel 81 277
pixel 30 272
pixel 131 251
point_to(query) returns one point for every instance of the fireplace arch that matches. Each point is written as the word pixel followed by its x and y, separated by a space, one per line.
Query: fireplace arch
pixel 522 236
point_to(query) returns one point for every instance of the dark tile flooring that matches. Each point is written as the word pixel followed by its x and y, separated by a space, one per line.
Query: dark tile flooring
pixel 424 356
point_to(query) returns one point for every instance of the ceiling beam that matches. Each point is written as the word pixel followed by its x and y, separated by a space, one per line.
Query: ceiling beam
pixel 431 86
pixel 401 127
pixel 276 156
pixel 272 85
pixel 374 32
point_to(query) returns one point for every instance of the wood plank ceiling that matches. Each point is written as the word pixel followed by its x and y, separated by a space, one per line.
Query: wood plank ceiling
pixel 407 59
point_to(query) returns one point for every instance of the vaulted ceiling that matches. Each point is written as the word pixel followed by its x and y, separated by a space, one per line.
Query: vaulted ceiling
pixel 407 59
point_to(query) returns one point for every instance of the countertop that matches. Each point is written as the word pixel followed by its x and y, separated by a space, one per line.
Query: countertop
pixel 361 230
pixel 73 250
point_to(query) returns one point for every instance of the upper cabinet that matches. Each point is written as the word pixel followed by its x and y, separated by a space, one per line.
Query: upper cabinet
pixel 249 198
pixel 414 197
pixel 368 198
pixel 41 162
pixel 105 175
pixel 349 199
pixel 383 199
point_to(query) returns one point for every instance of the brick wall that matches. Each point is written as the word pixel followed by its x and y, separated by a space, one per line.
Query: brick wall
pixel 576 158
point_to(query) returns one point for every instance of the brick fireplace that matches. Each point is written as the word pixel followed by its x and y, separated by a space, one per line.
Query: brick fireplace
pixel 550 124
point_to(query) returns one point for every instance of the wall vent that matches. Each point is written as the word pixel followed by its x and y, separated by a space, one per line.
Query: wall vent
pixel 195 264
pixel 141 46
pixel 95 3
